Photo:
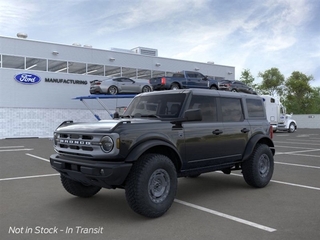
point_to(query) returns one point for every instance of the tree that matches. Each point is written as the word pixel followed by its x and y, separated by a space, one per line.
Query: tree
pixel 272 82
pixel 300 97
pixel 247 78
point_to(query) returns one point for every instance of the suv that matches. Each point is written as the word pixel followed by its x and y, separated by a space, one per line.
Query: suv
pixel 162 136
pixel 235 86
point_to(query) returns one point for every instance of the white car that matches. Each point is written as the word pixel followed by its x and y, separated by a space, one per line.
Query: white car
pixel 119 85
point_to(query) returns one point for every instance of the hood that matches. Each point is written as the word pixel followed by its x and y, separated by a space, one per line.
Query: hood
pixel 101 126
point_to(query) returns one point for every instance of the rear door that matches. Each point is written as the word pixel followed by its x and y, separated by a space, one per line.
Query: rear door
pixel 236 128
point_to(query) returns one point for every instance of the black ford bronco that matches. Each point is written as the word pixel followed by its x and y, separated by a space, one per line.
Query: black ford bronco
pixel 162 136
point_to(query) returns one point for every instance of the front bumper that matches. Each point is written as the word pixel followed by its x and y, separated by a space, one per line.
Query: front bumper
pixel 97 173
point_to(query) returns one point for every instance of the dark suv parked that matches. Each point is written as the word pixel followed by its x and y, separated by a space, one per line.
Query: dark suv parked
pixel 235 86
pixel 161 136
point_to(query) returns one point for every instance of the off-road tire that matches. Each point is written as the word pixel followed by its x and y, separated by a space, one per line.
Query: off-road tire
pixel 78 189
pixel 151 185
pixel 258 169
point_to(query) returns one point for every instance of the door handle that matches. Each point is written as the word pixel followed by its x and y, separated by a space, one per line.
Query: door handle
pixel 245 130
pixel 217 132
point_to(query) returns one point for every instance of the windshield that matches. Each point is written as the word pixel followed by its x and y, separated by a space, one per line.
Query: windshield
pixel 160 106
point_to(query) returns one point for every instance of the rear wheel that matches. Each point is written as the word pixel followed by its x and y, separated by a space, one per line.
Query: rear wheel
pixel 213 87
pixel 151 185
pixel 78 189
pixel 113 90
pixel 174 86
pixel 258 169
pixel 233 90
pixel 146 89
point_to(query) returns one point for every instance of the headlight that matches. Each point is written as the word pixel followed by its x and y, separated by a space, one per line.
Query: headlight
pixel 55 138
pixel 106 144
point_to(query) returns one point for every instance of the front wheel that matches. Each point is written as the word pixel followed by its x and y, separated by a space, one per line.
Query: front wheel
pixel 151 185
pixel 258 169
pixel 292 128
pixel 213 87
pixel 78 189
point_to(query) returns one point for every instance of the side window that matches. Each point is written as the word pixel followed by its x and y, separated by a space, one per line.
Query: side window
pixel 199 76
pixel 231 109
pixel 255 108
pixel 191 75
pixel 207 106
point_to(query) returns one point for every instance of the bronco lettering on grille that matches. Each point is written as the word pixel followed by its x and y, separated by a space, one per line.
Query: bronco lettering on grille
pixel 78 142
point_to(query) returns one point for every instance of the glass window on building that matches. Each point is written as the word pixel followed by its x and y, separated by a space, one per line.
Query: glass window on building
pixel 129 72
pixel 57 66
pixel 144 74
pixel 112 71
pixel 158 73
pixel 36 64
pixel 169 74
pixel 77 68
pixel 95 69
pixel 12 62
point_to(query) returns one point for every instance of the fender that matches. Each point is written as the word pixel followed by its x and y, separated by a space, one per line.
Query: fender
pixel 253 142
pixel 144 146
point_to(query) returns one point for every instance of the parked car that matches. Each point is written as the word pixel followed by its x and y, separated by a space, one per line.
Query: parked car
pixel 119 85
pixel 235 86
pixel 184 79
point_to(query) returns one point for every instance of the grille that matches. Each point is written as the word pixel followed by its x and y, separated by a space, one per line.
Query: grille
pixel 74 142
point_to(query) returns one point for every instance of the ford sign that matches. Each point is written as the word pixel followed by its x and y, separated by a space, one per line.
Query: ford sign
pixel 27 78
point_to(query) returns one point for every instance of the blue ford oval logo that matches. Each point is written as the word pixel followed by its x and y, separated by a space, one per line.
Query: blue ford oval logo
pixel 27 78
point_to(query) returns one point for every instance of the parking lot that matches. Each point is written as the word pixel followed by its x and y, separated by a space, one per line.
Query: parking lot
pixel 34 205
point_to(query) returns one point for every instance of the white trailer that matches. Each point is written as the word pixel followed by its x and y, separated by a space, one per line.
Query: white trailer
pixel 276 114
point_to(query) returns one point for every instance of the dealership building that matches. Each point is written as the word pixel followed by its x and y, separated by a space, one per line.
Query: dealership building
pixel 40 81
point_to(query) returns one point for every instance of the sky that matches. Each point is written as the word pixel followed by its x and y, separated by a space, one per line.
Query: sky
pixel 247 34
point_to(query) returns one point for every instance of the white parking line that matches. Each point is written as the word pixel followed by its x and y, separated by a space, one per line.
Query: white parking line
pixel 240 220
pixel 296 185
pixel 287 142
pixel 34 156
pixel 12 147
pixel 15 150
pixel 295 152
pixel 285 183
pixel 305 155
pixel 277 146
pixel 298 165
pixel 26 177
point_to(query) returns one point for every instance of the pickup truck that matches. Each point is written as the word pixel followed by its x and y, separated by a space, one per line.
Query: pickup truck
pixel 184 79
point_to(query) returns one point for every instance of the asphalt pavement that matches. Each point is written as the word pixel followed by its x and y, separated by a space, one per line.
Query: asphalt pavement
pixel 34 205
